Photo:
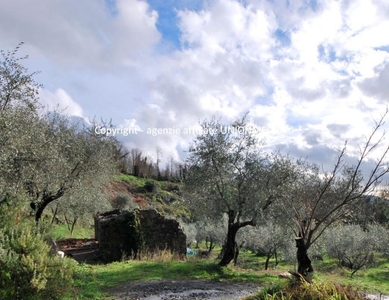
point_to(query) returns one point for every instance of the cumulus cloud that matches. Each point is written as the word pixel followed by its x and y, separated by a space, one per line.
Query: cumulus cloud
pixel 59 101
pixel 378 85
pixel 80 33
pixel 232 61
pixel 312 74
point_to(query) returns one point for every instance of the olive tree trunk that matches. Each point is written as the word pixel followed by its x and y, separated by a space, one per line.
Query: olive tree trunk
pixel 304 265
pixel 230 247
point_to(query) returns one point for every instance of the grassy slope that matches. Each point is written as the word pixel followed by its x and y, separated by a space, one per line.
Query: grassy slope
pixel 166 199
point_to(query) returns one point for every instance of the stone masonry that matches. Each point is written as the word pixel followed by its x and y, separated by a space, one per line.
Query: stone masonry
pixel 134 234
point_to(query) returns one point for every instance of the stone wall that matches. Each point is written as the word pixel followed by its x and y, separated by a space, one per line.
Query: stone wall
pixel 131 234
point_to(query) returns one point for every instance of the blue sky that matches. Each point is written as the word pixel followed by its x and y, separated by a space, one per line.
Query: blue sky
pixel 312 74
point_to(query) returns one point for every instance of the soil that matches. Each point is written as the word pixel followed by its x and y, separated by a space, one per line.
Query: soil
pixel 182 289
pixel 117 188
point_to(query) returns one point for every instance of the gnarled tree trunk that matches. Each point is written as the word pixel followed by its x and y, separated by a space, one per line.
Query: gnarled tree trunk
pixel 229 247
pixel 304 263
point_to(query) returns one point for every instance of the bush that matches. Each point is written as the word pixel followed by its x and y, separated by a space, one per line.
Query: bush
pixel 28 270
pixel 152 186
pixel 123 202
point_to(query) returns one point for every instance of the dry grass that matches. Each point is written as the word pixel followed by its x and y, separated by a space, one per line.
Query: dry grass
pixel 297 290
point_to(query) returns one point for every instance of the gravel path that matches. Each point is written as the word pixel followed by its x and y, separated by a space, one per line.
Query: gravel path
pixel 183 289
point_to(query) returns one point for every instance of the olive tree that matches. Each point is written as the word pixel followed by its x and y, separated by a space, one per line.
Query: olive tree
pixel 266 239
pixel 352 245
pixel 315 199
pixel 212 232
pixel 229 176
pixel 69 159
pixel 80 205
pixel 18 117
pixel 44 157
pixel 17 87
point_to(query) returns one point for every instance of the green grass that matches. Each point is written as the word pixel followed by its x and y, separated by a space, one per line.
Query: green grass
pixel 131 179
pixel 60 232
pixel 373 278
pixel 94 280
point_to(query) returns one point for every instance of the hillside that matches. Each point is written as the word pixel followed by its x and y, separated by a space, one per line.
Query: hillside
pixel 165 197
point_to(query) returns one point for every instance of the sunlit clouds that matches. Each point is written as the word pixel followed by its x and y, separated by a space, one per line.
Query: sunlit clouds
pixel 310 74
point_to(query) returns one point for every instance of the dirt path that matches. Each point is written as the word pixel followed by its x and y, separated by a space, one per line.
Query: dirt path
pixel 183 289
pixel 192 290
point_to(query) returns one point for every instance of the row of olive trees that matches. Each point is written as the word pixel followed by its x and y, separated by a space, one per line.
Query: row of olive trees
pixel 230 175
pixel 45 159
pixel 352 245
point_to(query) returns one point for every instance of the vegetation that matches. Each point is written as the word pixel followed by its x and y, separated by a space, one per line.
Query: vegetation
pixel 28 268
pixel 228 175
pixel 45 160
pixel 231 196
pixel 95 280
pixel 309 291
pixel 316 200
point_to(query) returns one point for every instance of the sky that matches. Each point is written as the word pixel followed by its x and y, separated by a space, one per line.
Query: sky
pixel 311 74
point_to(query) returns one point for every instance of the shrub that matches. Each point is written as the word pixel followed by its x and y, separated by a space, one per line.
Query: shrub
pixel 123 202
pixel 28 270
pixel 152 186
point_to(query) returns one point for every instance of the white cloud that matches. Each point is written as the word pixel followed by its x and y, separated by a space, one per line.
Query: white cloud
pixel 312 76
pixel 60 101
pixel 80 34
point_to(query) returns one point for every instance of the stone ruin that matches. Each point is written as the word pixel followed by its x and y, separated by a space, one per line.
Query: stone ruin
pixel 133 234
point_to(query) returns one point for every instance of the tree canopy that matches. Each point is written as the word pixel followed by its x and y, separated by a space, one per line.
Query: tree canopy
pixel 228 174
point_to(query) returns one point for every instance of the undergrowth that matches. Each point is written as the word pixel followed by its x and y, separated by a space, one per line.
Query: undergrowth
pixel 308 291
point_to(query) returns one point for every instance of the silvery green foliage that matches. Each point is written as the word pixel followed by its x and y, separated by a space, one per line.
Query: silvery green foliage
pixel 206 230
pixel 18 119
pixel 17 87
pixel 352 245
pixel 317 199
pixel 190 231
pixel 123 202
pixel 267 239
pixel 44 157
pixel 228 173
pixel 70 159
pixel 80 204
pixel 17 149
pixel 381 237
pixel 214 230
